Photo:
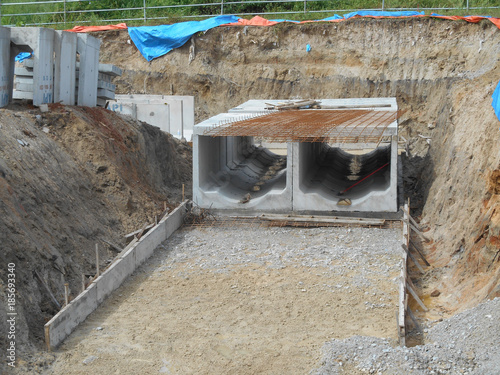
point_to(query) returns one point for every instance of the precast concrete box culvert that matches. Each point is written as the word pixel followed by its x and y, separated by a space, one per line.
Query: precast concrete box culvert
pixel 283 156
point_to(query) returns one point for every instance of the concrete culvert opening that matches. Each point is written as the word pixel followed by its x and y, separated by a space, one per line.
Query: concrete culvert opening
pixel 233 167
pixel 333 172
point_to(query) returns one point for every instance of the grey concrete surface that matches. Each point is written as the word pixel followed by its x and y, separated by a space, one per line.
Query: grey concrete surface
pixel 317 177
pixel 172 114
pixel 4 65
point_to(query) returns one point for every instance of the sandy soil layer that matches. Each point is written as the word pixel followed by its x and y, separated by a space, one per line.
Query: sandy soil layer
pixel 242 301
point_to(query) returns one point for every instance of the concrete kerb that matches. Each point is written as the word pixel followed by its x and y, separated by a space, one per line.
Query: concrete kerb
pixel 66 320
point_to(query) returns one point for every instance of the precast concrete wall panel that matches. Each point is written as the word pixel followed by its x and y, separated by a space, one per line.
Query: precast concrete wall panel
pixel 88 49
pixel 5 74
pixel 171 113
pixel 65 44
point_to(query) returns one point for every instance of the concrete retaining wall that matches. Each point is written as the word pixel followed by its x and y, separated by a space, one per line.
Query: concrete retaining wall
pixel 66 320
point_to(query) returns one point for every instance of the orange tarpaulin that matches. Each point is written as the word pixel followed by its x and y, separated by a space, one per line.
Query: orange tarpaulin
pixel 87 29
pixel 255 21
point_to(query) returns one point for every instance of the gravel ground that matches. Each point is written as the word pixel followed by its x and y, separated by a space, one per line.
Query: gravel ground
pixel 467 343
pixel 242 300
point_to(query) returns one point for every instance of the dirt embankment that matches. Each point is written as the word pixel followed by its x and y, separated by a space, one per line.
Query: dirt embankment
pixel 443 74
pixel 69 178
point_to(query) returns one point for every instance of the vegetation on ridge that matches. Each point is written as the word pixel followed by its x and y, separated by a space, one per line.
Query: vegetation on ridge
pixel 68 13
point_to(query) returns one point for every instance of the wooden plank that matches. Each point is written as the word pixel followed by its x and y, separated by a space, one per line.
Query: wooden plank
pixel 412 258
pixel 419 253
pixel 117 248
pixel 138 231
pixel 294 105
pixel 355 106
pixel 142 231
pixel 411 219
pixel 415 295
pixel 402 298
pixel 322 219
pixel 48 290
pixel 417 326
pixel 423 236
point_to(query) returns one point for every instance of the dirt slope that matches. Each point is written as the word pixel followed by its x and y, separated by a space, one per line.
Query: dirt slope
pixel 443 74
pixel 81 175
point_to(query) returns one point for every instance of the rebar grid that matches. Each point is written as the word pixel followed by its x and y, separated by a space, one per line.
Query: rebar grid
pixel 334 126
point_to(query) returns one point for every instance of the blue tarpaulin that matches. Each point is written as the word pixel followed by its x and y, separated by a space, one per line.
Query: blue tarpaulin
pixel 156 41
pixel 496 101
pixel 23 56
pixel 378 13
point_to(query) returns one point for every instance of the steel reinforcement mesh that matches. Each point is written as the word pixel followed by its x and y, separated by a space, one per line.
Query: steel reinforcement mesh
pixel 334 126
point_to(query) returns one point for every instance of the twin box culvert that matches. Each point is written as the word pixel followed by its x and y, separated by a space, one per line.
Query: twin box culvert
pixel 339 156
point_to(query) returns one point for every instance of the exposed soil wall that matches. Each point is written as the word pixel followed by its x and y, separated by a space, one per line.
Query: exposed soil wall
pixel 79 176
pixel 443 74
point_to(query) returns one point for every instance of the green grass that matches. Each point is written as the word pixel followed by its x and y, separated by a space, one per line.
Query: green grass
pixel 96 12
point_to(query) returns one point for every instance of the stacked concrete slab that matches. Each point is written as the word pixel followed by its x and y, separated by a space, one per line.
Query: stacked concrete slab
pixel 172 114
pixel 105 87
pixel 53 73
pixel 40 41
pixel 226 169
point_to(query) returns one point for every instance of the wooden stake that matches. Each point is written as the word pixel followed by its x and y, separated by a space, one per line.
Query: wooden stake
pixel 414 319
pixel 66 294
pixel 409 285
pixel 97 273
pixel 48 290
pixel 415 229
pixel 419 253
pixel 412 258
pixel 183 192
pixel 164 205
